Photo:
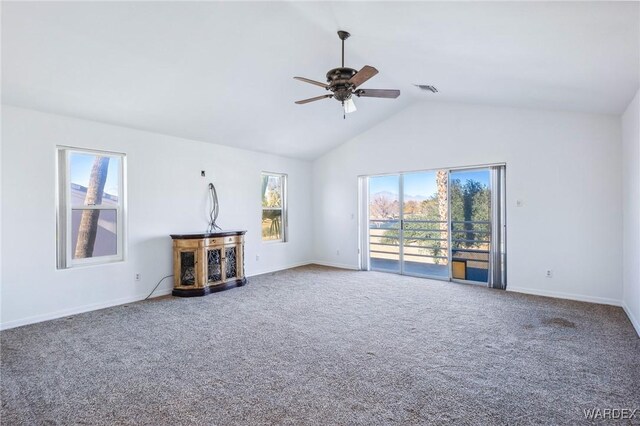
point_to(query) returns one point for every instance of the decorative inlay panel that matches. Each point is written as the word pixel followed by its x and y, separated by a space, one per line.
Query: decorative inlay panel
pixel 214 265
pixel 188 268
pixel 230 255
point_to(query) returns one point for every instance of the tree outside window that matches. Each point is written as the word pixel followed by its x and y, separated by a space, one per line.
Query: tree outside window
pixel 90 207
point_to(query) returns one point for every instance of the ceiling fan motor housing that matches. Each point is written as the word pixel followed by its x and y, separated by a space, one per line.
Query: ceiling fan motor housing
pixel 338 79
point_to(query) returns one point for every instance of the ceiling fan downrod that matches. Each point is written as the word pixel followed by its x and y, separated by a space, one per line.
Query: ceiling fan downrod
pixel 343 36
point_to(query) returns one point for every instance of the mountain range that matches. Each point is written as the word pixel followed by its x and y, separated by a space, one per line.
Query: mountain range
pixel 391 196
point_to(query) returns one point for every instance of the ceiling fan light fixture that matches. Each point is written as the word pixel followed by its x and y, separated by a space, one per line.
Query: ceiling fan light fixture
pixel 349 106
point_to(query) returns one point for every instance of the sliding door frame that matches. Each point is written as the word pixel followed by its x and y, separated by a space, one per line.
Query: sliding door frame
pixel 496 247
pixel 449 227
pixel 489 269
pixel 401 230
pixel 364 263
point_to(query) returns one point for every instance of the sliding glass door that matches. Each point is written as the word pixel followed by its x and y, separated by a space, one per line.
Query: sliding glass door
pixel 384 223
pixel 443 224
pixel 424 224
pixel 408 224
pixel 470 192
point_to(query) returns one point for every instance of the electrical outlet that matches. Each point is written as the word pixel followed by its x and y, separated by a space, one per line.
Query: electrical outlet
pixel 257 257
pixel 137 276
pixel 549 273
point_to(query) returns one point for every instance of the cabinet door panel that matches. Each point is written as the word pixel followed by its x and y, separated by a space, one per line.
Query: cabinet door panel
pixel 214 265
pixel 231 262
pixel 188 264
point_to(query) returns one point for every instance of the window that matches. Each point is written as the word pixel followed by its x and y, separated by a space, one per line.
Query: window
pixel 90 207
pixel 274 207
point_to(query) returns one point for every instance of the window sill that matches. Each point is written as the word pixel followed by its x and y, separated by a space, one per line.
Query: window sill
pixel 83 265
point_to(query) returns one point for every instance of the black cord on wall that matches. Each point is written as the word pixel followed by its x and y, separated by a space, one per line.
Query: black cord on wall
pixel 154 289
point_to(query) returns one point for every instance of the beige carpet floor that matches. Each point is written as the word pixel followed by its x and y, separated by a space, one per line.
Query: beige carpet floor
pixel 322 346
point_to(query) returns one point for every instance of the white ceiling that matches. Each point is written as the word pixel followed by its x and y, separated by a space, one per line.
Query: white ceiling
pixel 222 72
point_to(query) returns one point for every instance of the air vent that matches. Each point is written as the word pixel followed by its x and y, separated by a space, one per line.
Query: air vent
pixel 427 88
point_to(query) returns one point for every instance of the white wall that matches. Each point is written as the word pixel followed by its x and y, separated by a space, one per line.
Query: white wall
pixel 631 210
pixel 566 167
pixel 165 195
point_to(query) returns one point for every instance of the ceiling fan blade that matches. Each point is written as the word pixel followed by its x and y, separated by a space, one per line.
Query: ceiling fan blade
pixel 363 75
pixel 377 93
pixel 317 83
pixel 317 98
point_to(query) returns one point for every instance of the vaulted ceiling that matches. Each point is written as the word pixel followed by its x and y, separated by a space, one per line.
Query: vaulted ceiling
pixel 222 72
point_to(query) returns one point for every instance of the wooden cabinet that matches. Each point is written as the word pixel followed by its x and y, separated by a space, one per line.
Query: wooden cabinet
pixel 203 263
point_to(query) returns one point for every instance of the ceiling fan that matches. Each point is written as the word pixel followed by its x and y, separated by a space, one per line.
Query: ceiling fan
pixel 344 82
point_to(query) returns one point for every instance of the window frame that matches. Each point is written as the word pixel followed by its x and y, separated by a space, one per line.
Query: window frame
pixel 64 209
pixel 284 233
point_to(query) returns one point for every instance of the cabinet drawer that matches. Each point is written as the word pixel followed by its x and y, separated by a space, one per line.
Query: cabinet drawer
pixel 188 244
pixel 233 240
pixel 205 242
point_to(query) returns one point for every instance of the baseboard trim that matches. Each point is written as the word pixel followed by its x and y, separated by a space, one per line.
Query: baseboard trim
pixel 568 296
pixel 335 265
pixel 633 319
pixel 82 309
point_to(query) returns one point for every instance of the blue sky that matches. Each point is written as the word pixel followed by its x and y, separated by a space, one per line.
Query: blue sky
pixel 81 170
pixel 422 183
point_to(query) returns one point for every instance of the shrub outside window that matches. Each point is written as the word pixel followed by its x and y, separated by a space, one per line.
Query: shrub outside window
pixel 274 207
